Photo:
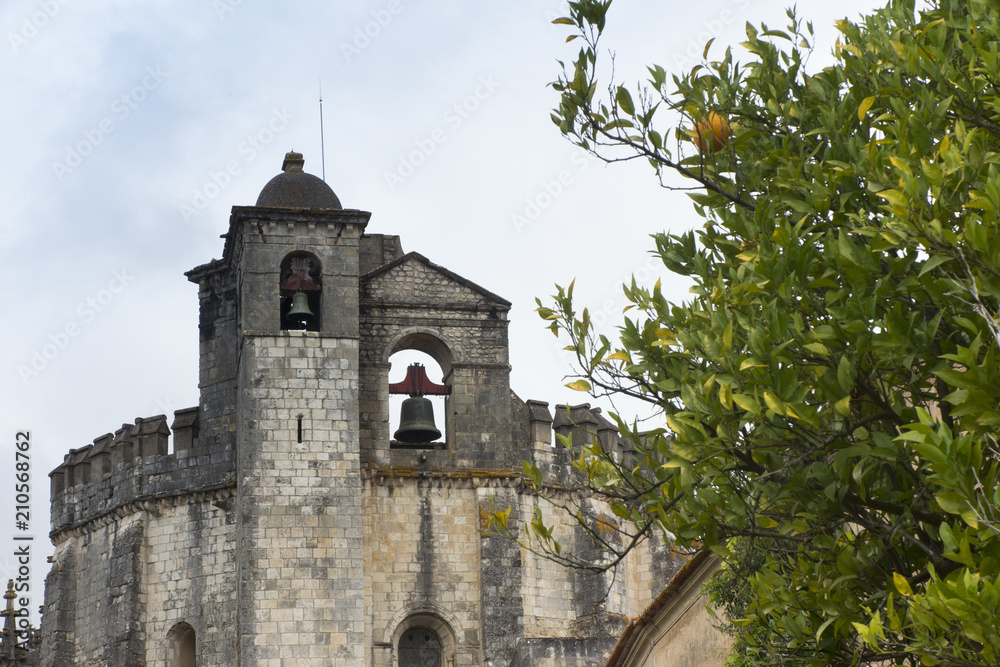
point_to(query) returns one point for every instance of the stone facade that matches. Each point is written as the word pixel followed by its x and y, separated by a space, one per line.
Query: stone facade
pixel 277 523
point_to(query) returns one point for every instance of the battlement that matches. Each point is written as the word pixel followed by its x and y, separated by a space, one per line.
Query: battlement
pixel 135 464
pixel 582 424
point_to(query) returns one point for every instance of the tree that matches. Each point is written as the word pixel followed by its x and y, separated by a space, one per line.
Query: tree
pixel 830 395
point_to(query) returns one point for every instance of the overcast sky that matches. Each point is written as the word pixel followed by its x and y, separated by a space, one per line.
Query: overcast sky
pixel 131 129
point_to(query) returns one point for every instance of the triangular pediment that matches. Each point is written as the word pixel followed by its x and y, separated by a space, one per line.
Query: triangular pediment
pixel 415 279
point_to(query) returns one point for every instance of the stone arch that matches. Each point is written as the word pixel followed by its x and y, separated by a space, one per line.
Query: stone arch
pixel 182 648
pixel 436 619
pixel 432 343
pixel 300 271
pixel 426 340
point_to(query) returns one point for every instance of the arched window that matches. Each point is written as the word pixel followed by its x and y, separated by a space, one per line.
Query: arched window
pixel 419 647
pixel 181 646
pixel 426 348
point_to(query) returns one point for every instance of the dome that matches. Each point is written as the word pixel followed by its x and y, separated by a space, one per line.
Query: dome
pixel 293 188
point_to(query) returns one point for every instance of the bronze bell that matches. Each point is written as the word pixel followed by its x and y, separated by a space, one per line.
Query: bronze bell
pixel 299 312
pixel 416 421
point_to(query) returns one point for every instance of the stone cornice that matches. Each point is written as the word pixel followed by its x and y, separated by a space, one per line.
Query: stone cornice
pixel 381 475
pixel 152 504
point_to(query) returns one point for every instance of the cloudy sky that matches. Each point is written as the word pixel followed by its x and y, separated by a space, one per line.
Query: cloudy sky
pixel 131 128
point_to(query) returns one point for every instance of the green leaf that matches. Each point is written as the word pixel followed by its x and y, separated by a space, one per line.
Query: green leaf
pixel 747 403
pixel 824 626
pixel 902 585
pixel 624 100
pixel 708 45
pixel 721 551
pixel 533 473
pixel 865 105
pixel 774 403
pixel 951 502
pixel 933 263
pixel 843 407
pixel 818 348
pixel 896 198
pixel 845 376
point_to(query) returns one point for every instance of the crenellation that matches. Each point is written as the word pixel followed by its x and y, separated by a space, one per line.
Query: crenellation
pixel 123 445
pixel 576 422
pixel 185 431
pixel 153 435
pixel 100 454
pixel 134 465
pixel 540 421
pixel 78 466
pixel 607 433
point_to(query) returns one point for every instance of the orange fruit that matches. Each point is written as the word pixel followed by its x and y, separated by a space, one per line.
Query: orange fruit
pixel 711 133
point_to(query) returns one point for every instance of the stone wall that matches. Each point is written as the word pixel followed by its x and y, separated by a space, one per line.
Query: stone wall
pixel 299 505
pixel 422 559
pixel 190 577
pixel 117 589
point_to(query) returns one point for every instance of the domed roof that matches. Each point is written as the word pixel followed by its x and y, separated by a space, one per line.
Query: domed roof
pixel 293 188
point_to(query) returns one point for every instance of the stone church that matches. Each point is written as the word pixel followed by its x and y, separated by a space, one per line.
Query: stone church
pixel 282 522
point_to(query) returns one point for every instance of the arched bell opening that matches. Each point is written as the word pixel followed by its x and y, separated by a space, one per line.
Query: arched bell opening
pixel 299 290
pixel 418 401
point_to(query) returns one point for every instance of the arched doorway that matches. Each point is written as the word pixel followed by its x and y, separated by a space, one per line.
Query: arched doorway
pixel 182 648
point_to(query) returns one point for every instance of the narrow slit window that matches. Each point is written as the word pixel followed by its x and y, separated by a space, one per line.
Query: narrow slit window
pixel 300 429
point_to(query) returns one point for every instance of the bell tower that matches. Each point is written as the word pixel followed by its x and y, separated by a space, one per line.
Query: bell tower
pixel 290 269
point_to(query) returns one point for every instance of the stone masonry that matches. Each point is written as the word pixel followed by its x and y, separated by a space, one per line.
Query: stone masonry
pixel 278 524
